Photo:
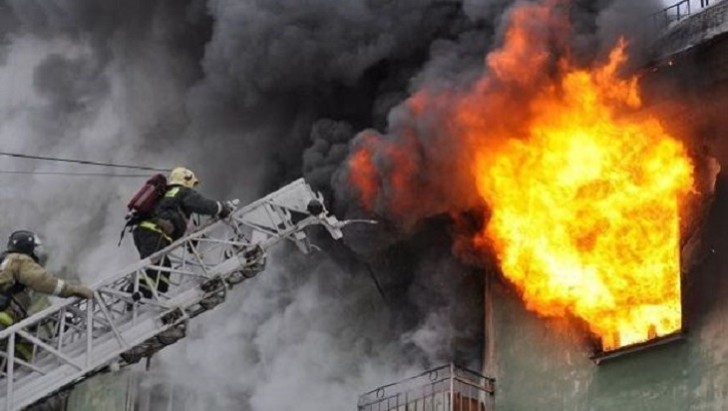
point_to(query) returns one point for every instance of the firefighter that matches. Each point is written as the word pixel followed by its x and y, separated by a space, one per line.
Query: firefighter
pixel 169 222
pixel 20 272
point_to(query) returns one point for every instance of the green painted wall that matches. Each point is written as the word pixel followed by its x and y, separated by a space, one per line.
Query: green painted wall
pixel 544 364
pixel 108 392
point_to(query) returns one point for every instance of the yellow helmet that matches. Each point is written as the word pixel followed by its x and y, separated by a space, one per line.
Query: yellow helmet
pixel 183 176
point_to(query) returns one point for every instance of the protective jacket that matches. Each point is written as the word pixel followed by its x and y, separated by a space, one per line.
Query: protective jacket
pixel 173 211
pixel 20 273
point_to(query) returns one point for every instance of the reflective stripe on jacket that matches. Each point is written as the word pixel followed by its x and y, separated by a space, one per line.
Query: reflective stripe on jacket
pixel 157 229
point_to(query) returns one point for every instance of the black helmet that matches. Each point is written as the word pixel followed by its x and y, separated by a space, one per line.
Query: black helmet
pixel 23 241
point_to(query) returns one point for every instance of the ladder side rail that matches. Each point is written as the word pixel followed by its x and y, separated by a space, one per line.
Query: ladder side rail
pixel 58 354
pixel 145 263
pixel 107 329
pixel 58 316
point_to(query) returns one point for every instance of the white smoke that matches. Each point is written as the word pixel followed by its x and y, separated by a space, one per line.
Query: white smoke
pixel 292 339
pixel 69 213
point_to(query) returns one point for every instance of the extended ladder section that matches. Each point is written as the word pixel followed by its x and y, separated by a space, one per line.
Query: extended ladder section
pixel 74 340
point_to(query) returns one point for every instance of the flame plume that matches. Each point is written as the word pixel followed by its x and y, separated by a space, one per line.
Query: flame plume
pixel 584 188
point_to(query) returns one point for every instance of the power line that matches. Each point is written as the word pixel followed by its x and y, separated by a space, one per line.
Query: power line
pixel 72 174
pixel 86 162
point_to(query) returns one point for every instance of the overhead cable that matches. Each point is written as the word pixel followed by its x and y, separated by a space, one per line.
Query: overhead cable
pixel 69 173
pixel 85 162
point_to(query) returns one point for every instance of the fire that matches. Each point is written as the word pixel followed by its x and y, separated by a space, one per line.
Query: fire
pixel 585 213
pixel 365 177
pixel 373 155
pixel 585 204
pixel 584 188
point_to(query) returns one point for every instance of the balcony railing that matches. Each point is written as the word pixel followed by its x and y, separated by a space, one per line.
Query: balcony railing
pixel 446 388
pixel 679 11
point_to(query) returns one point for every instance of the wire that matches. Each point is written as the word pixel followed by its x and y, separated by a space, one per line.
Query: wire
pixel 64 173
pixel 376 282
pixel 86 162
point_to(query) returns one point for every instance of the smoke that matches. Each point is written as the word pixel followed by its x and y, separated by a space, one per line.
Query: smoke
pixel 274 67
pixel 92 80
pixel 310 355
pixel 398 173
pixel 328 150
pixel 251 94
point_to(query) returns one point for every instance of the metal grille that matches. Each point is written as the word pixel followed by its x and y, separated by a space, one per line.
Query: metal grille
pixel 679 11
pixel 446 388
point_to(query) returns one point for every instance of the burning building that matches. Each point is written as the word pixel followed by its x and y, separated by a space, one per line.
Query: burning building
pixel 602 206
pixel 580 186
pixel 544 175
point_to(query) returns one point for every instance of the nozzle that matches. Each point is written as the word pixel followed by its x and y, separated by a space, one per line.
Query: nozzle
pixel 315 207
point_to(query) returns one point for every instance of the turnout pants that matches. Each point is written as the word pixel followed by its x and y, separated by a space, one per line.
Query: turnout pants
pixel 147 243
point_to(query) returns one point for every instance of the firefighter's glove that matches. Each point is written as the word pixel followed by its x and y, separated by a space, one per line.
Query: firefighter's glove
pixel 81 291
pixel 225 210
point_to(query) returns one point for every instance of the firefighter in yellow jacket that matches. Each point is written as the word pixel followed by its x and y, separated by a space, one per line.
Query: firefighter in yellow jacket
pixel 169 222
pixel 20 272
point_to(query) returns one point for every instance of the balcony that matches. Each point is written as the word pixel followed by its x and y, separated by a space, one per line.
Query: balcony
pixel 446 388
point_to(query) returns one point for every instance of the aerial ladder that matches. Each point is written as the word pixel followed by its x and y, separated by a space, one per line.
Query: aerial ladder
pixel 74 340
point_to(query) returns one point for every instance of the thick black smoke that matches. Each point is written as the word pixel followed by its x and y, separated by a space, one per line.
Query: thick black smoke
pixel 416 158
pixel 253 94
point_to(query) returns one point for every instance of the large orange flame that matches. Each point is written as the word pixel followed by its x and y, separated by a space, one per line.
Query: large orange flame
pixel 585 210
pixel 585 203
pixel 584 188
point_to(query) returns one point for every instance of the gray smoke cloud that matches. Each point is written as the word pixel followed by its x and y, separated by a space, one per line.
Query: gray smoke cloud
pixel 252 94
pixel 408 159
pixel 311 355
